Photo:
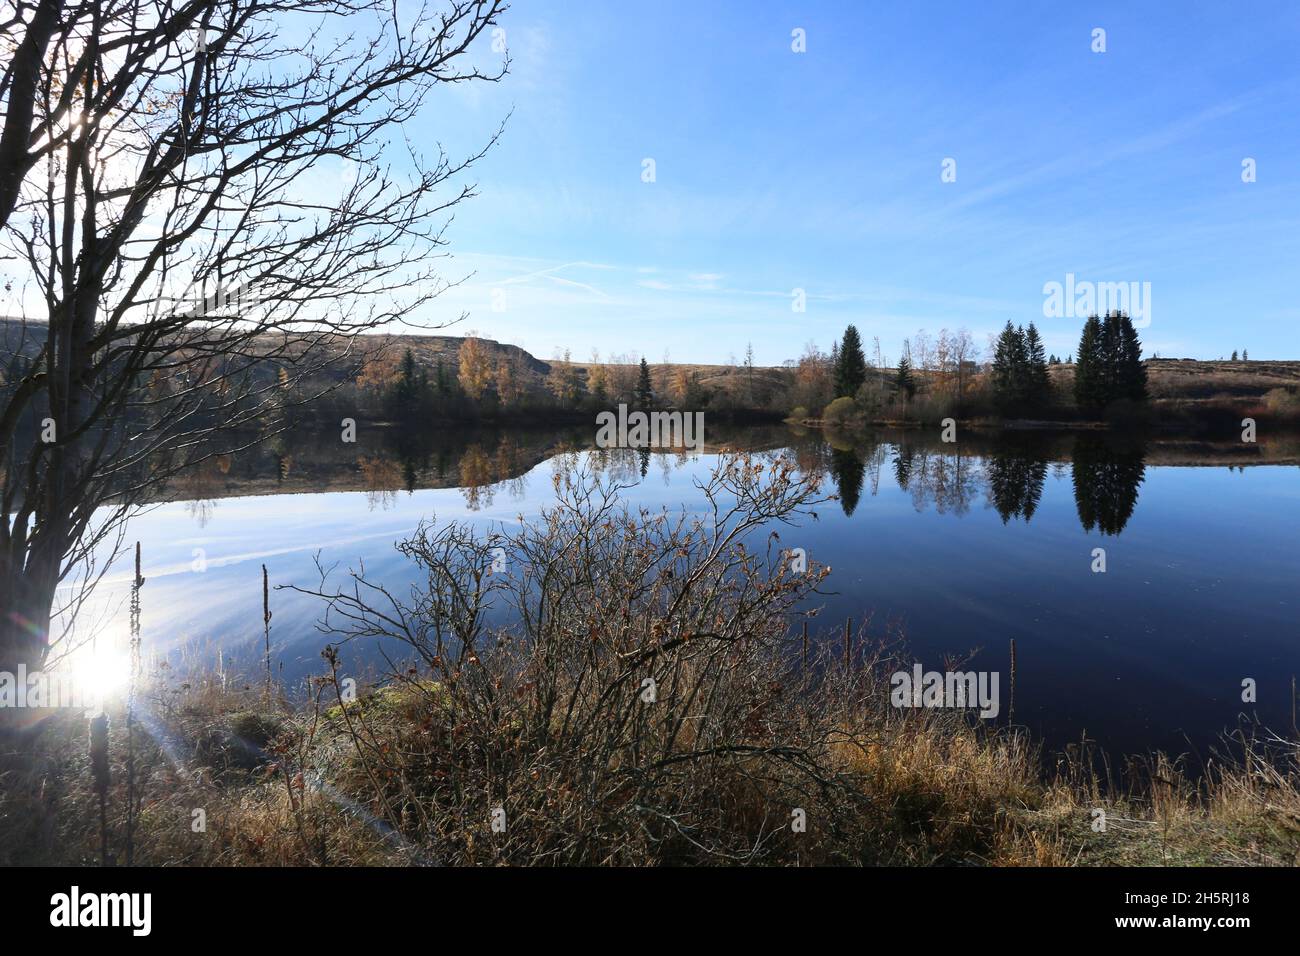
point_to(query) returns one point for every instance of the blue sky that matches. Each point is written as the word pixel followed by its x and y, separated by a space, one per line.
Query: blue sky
pixel 777 171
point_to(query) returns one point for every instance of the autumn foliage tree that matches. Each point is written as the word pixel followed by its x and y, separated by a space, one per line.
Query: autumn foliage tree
pixel 477 369
pixel 509 381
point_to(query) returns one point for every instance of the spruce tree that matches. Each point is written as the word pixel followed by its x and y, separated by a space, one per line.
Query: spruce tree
pixel 1087 370
pixel 850 364
pixel 1131 374
pixel 407 389
pixel 1112 357
pixel 1110 365
pixel 904 382
pixel 644 393
pixel 1010 368
pixel 1039 384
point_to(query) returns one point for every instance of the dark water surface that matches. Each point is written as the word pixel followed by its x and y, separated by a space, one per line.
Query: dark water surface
pixel 960 547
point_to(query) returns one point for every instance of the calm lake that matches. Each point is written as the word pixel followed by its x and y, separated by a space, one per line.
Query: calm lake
pixel 959 548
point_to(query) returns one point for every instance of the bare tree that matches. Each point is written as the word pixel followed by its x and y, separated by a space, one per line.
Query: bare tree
pixel 182 273
pixel 964 354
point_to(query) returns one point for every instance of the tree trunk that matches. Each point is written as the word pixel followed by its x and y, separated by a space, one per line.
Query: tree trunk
pixel 25 623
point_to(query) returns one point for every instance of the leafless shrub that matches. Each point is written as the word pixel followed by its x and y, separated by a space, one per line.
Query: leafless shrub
pixel 641 708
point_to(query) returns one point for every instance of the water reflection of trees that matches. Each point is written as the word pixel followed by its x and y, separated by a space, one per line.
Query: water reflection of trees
pixel 200 486
pixel 486 470
pixel 853 466
pixel 849 471
pixel 382 478
pixel 949 480
pixel 480 468
pixel 1009 471
pixel 1015 481
pixel 624 465
pixel 1106 479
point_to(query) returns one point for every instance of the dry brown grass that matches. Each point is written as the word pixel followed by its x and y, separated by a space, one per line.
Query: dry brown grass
pixel 934 789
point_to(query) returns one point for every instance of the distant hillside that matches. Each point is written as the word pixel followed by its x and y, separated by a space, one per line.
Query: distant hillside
pixel 1185 382
pixel 1190 383
pixel 17 335
pixel 27 337
pixel 738 386
pixel 430 349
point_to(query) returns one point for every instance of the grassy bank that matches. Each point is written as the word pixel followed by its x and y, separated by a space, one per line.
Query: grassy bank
pixel 363 784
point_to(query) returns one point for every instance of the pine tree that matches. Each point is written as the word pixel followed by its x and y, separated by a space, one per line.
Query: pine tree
pixel 904 382
pixel 850 364
pixel 1011 368
pixel 408 371
pixel 1112 350
pixel 1110 365
pixel 1039 384
pixel 1088 392
pixel 407 389
pixel 1131 374
pixel 644 393
pixel 1234 355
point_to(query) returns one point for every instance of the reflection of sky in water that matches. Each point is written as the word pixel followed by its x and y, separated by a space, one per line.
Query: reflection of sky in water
pixel 1199 592
pixel 190 609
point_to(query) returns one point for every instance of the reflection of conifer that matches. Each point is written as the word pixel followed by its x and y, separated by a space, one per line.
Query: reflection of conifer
pixel 849 471
pixel 1016 479
pixel 1002 487
pixel 903 467
pixel 1106 479
pixel 1036 474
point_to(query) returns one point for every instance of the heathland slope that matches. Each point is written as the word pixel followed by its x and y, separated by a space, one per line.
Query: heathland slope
pixel 1185 383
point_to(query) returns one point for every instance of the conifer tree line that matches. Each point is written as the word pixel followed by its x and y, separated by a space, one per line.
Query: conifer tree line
pixel 1109 365
pixel 1019 373
pixel 1108 370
